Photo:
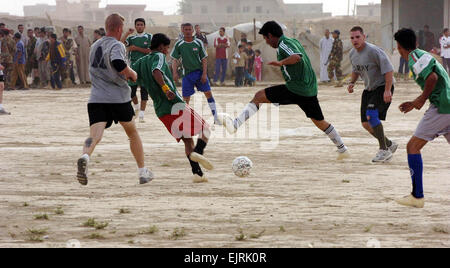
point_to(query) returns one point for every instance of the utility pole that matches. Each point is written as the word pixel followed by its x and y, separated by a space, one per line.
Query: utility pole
pixel 348 8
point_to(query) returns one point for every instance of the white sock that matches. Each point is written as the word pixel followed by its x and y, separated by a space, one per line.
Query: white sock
pixel 141 113
pixel 249 110
pixel 142 171
pixel 336 138
pixel 137 107
pixel 86 156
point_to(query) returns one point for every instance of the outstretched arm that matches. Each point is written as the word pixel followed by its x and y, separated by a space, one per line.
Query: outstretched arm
pixel 419 102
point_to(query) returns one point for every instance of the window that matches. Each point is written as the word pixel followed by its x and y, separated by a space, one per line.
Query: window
pixel 204 9
pixel 229 9
pixel 259 9
pixel 246 9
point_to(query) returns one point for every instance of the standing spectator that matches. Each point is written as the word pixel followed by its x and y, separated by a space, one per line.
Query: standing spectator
pixel 335 59
pixel 325 46
pixel 24 37
pixel 240 58
pixel 258 65
pixel 37 31
pixel 57 57
pixel 2 25
pixel 19 63
pixel 43 46
pixel 201 36
pixel 8 48
pixel 82 56
pixel 97 35
pixel 221 43
pixel 69 48
pixel 249 79
pixel 181 34
pixel 446 50
pixel 102 32
pixel 404 68
pixel 429 39
pixel 2 86
pixel 31 65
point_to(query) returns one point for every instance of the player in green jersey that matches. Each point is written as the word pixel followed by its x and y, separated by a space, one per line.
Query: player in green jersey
pixel 180 120
pixel 300 87
pixel 434 81
pixel 138 46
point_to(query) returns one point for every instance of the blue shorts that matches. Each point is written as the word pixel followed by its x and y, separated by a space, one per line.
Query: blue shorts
pixel 194 79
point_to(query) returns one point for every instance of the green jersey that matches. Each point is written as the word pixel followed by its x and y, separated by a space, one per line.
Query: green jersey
pixel 191 54
pixel 144 68
pixel 422 65
pixel 143 40
pixel 300 77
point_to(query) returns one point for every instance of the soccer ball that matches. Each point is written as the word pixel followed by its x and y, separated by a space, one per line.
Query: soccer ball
pixel 242 166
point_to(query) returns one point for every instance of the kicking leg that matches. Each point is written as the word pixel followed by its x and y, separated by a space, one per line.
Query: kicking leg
pixel 137 149
pixel 334 136
pixel 96 134
pixel 416 199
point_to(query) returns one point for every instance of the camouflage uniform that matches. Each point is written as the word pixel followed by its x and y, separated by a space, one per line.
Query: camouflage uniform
pixel 335 60
pixel 31 57
pixel 7 55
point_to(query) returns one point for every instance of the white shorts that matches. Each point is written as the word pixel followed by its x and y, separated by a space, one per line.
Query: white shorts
pixel 433 125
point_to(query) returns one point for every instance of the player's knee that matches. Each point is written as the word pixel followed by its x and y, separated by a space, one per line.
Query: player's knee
pixel 259 97
pixel 373 118
pixel 413 147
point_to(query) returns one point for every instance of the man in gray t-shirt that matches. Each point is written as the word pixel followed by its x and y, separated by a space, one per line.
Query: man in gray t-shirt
pixel 373 65
pixel 110 99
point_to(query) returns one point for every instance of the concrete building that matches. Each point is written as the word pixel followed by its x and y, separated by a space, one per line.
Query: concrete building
pixel 412 14
pixel 38 10
pixel 216 13
pixel 370 10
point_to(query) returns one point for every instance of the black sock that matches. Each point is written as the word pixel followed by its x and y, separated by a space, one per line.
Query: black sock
pixel 378 132
pixel 200 147
pixel 195 168
pixel 388 142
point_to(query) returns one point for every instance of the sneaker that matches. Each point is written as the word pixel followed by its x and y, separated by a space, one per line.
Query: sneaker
pixel 4 112
pixel 227 121
pixel 411 201
pixel 146 177
pixel 82 171
pixel 393 148
pixel 382 156
pixel 343 155
pixel 203 161
pixel 198 179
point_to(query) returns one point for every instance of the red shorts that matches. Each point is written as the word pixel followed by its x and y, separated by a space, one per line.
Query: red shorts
pixel 186 124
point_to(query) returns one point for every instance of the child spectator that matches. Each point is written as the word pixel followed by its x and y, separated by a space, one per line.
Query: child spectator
pixel 258 65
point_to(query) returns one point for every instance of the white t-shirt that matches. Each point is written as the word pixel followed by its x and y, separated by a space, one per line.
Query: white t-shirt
pixel 445 51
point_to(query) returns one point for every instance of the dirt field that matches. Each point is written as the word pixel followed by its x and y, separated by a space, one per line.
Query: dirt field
pixel 297 196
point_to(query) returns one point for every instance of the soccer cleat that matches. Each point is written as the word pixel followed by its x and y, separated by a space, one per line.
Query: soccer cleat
pixel 227 121
pixel 146 177
pixel 382 156
pixel 4 112
pixel 343 155
pixel 203 161
pixel 393 148
pixel 411 201
pixel 197 179
pixel 82 171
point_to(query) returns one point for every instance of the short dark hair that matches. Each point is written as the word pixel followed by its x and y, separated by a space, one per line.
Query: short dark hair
pixel 356 29
pixel 53 36
pixel 97 31
pixel 42 30
pixel 80 26
pixel 240 46
pixel 222 29
pixel 187 24
pixel 2 24
pixel 29 30
pixel 250 43
pixel 17 36
pixel 271 27
pixel 406 38
pixel 159 39
pixel 445 30
pixel 139 20
pixel 102 31
pixel 19 25
pixel 258 51
pixel 37 28
pixel 65 30
pixel 243 40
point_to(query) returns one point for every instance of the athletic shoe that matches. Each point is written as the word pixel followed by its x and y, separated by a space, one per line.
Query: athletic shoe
pixel 382 156
pixel 203 161
pixel 393 148
pixel 411 201
pixel 222 84
pixel 197 179
pixel 227 121
pixel 343 155
pixel 146 177
pixel 82 171
pixel 4 112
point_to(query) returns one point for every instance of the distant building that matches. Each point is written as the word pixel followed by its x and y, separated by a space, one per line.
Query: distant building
pixel 370 10
pixel 38 10
pixel 231 12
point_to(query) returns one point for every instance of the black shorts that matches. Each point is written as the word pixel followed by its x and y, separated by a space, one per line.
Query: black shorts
pixel 110 112
pixel 2 78
pixel 374 100
pixel 283 96
pixel 144 93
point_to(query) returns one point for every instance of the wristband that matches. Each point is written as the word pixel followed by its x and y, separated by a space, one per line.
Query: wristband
pixel 165 88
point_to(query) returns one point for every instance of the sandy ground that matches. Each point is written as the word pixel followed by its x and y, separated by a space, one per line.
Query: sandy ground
pixel 298 195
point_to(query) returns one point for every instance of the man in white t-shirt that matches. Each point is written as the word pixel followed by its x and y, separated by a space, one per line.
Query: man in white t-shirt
pixel 445 49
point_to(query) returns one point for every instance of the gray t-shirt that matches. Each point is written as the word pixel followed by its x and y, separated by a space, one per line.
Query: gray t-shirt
pixel 108 86
pixel 371 64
